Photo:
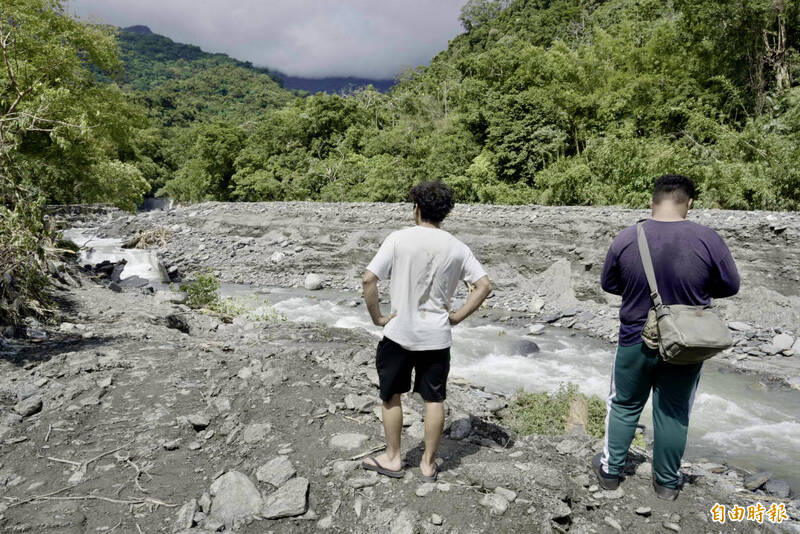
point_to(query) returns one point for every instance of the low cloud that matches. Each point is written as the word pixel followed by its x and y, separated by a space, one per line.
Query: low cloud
pixel 310 38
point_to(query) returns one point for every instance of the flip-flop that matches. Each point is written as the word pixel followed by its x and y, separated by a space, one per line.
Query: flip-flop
pixel 378 468
pixel 434 477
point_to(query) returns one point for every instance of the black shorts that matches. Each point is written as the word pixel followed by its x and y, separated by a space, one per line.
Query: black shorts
pixel 395 363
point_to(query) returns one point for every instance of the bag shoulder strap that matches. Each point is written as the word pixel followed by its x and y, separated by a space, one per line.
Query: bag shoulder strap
pixel 647 262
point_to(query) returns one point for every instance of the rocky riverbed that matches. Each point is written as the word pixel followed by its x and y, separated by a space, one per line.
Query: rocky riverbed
pixel 137 414
pixel 544 261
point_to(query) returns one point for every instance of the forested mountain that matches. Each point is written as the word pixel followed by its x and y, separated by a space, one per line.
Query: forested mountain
pixel 558 102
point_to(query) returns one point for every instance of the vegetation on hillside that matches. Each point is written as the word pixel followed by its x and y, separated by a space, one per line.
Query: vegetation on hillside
pixel 555 102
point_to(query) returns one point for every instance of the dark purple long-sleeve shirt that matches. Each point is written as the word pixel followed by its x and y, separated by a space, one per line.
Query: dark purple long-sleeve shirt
pixel 692 266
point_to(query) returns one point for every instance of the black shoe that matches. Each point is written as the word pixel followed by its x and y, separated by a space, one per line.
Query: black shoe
pixel 663 492
pixel 607 482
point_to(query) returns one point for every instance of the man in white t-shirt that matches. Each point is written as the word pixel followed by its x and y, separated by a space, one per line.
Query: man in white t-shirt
pixel 425 265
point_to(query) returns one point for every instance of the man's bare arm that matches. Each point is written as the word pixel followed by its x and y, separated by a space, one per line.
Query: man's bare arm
pixel 370 285
pixel 476 297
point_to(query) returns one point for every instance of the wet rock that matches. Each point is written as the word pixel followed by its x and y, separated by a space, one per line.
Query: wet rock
pixel 29 406
pixel 536 329
pixel 313 282
pixel 782 342
pixel 778 488
pixel 460 428
pixel 496 504
pixel 199 421
pixel 289 500
pixel 276 471
pixel 177 322
pixel 348 441
pixel 756 480
pixel 235 498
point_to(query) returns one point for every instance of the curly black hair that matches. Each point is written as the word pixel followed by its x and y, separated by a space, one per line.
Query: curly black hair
pixel 434 199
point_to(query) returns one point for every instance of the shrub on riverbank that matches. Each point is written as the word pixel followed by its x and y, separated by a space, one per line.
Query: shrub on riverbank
pixel 546 413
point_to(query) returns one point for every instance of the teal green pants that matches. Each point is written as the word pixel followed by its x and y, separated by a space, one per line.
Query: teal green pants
pixel 637 370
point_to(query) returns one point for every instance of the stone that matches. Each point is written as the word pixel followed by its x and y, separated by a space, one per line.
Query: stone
pixel 199 421
pixel 644 469
pixel 778 488
pixel 29 406
pixel 360 403
pixel 185 516
pixel 496 504
pixel 536 329
pixel 436 519
pixel 674 527
pixel 256 432
pixel 756 480
pixel 289 500
pixel 325 523
pixel 739 326
pixel 277 257
pixel 560 511
pixel 403 523
pixel 460 428
pixel 276 471
pixel 610 495
pixel 613 523
pixel 507 494
pixel 234 498
pixel 578 416
pixel 348 441
pixel 313 282
pixel 782 342
pixel 425 489
pixel 644 511
pixel 172 445
pixel 26 390
pixel 363 482
pixel 495 405
pixel 416 430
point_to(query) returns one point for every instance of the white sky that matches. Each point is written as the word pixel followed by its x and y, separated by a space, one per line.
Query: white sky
pixel 310 38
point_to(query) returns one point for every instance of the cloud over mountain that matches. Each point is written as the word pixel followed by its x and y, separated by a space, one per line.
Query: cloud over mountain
pixel 311 38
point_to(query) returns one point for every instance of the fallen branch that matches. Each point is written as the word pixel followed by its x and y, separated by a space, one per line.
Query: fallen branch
pixel 365 454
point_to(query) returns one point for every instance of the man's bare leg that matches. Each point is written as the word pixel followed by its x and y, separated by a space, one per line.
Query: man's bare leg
pixel 434 426
pixel 393 428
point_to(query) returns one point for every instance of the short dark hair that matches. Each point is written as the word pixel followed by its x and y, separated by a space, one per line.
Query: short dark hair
pixel 675 186
pixel 434 199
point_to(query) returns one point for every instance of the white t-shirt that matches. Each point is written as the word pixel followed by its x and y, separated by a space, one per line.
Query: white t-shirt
pixel 425 266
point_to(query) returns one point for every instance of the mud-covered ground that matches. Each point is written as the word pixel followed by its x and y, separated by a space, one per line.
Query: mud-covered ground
pixel 139 415
pixel 544 261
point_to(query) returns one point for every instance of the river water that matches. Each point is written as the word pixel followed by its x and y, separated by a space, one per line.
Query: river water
pixel 735 419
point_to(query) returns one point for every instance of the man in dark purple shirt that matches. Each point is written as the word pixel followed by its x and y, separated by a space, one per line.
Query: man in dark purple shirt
pixel 692 266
